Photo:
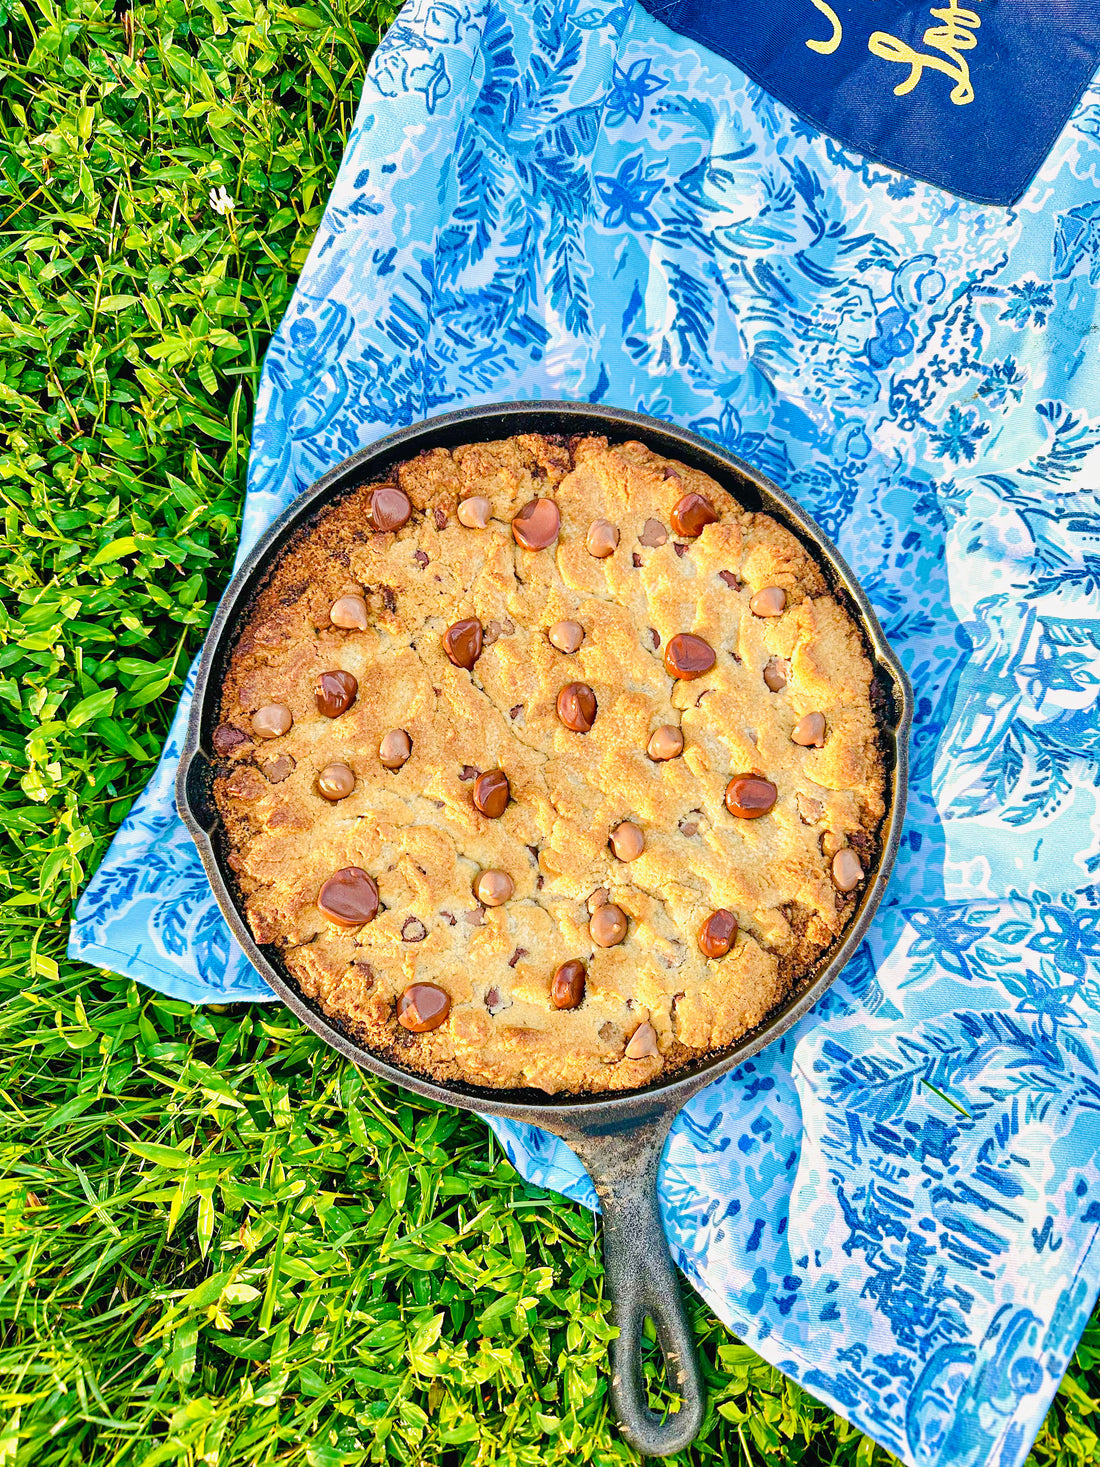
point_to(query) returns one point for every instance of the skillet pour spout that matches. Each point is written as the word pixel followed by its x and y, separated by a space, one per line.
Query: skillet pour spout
pixel 619 1137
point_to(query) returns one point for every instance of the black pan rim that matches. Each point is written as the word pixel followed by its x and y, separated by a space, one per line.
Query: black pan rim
pixel 607 1108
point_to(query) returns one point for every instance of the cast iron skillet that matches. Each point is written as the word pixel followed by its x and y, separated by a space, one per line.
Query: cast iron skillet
pixel 618 1137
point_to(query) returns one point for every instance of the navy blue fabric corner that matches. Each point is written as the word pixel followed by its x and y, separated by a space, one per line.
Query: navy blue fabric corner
pixel 969 96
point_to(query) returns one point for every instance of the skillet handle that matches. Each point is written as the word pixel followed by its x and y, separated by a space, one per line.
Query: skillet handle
pixel 641 1280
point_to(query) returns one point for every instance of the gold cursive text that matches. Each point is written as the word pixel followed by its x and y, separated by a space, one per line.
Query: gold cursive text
pixel 826 48
pixel 951 39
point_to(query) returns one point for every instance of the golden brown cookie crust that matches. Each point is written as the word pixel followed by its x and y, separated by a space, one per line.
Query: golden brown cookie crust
pixel 415 829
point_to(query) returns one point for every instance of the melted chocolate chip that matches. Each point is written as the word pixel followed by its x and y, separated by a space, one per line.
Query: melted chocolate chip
pixel 349 898
pixel 716 936
pixel 468 773
pixel 655 637
pixel 389 600
pixel 492 793
pixel 276 770
pixel 692 514
pixel 520 952
pixel 809 731
pixel 732 581
pixel 537 524
pixel 680 549
pixel 769 601
pixel 440 519
pixel 607 926
pixel 462 642
pixel 748 796
pixel 577 707
pixel 653 535
pixel 637 560
pixel 335 693
pixel 516 711
pixel 335 782
pixel 567 985
pixel 688 656
pixel 413 930
pixel 423 1007
pixel 390 508
pixel 421 558
pixel 775 673
pixel 350 613
pixel 226 737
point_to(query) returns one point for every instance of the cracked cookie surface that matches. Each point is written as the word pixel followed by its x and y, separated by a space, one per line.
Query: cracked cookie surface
pixel 411 827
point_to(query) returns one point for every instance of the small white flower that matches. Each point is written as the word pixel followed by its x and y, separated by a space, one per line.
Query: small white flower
pixel 220 201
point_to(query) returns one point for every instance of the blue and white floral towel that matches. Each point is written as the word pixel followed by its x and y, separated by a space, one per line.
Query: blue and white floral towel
pixel 898 1203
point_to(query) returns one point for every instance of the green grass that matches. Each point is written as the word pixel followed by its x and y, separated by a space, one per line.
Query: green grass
pixel 219 1243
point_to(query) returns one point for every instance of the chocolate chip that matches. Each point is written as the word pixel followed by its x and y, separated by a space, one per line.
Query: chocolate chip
pixel 748 796
pixel 492 793
pixel 847 872
pixel 516 711
pixel 607 925
pixel 423 1007
pixel 389 600
pixel 227 737
pixel 276 770
pixel 468 772
pixel 716 936
pixel 475 512
pixel 691 515
pixel 671 473
pixel 637 559
pixel 809 810
pixel 462 642
pixel 653 535
pixel 775 673
pixel 688 656
pixel 413 930
pixel 520 952
pixel 577 707
pixel 566 636
pixel 450 917
pixel 335 782
pixel 495 1001
pixel 350 613
pixel 567 985
pixel 421 557
pixel 271 721
pixel 440 519
pixel 245 784
pixel 537 524
pixel 602 539
pixel 666 742
pixel 335 693
pixel 680 549
pixel 809 731
pixel 732 581
pixel 643 1043
pixel 688 827
pixel 349 897
pixel 494 888
pixel 390 508
pixel 627 841
pixel 655 637
pixel 395 748
pixel 474 918
pixel 534 852
pixel 769 601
